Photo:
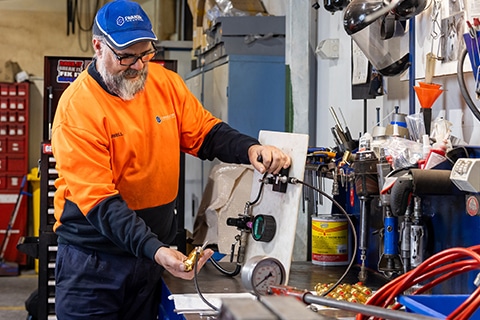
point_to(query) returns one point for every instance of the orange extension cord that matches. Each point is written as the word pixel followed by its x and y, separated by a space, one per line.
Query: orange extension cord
pixel 441 266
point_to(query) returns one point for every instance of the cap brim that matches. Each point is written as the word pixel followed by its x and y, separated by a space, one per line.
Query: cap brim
pixel 124 39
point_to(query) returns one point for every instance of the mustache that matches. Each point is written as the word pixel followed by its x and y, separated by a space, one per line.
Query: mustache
pixel 132 72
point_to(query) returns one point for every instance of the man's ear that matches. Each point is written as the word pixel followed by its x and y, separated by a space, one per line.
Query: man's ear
pixel 97 46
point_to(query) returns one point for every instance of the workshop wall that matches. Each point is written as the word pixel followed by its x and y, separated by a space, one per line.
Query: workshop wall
pixel 334 90
pixel 33 29
pixel 28 36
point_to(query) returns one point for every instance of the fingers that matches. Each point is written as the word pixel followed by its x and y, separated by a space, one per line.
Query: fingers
pixel 269 159
pixel 207 253
pixel 172 261
pixel 178 269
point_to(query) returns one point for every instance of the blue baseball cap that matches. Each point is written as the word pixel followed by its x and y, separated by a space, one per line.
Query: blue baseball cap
pixel 123 23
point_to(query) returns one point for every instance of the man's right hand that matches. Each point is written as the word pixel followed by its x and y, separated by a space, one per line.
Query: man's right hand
pixel 172 261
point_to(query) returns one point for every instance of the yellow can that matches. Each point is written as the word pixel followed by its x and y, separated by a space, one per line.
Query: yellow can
pixel 329 240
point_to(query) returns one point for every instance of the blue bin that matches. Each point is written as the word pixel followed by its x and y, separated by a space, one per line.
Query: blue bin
pixel 437 306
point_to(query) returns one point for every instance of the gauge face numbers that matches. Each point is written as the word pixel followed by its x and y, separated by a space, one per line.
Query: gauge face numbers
pixel 261 272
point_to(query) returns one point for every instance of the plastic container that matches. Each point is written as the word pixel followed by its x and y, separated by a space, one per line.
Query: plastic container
pixel 438 306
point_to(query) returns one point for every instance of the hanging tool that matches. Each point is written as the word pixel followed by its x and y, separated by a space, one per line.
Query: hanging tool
pixel 347 131
pixel 390 262
pixel 342 136
pixel 405 234
pixel 417 235
pixel 431 58
pixel 366 185
pixel 71 16
pixel 10 268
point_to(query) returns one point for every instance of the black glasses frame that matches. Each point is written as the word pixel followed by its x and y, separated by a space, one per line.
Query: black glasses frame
pixel 145 57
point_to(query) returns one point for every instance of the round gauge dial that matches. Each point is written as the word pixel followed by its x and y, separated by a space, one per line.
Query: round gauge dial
pixel 263 228
pixel 261 272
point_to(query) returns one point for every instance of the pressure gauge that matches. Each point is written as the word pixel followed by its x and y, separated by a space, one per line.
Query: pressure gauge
pixel 261 272
pixel 263 228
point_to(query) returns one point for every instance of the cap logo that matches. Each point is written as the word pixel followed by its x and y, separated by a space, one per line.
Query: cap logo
pixel 121 20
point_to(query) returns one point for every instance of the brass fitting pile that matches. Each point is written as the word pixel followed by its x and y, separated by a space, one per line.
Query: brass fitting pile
pixel 347 292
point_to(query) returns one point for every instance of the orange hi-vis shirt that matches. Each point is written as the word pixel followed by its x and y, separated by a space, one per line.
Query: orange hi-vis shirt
pixel 108 149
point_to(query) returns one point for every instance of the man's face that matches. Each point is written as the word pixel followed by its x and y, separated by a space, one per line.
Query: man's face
pixel 124 80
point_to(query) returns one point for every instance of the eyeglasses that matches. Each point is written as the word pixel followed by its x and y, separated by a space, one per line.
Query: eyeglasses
pixel 128 60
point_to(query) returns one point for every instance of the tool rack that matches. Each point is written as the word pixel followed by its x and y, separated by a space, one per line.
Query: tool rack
pixel 14 112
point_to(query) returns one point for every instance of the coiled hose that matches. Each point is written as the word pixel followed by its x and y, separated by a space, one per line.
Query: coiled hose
pixel 463 87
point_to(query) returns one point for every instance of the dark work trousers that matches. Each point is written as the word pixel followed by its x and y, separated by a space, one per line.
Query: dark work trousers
pixel 98 285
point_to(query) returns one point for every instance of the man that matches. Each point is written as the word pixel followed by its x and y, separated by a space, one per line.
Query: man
pixel 117 136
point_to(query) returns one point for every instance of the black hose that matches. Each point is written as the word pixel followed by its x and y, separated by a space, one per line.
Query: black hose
pixel 352 226
pixel 463 87
pixel 195 282
pixel 224 271
pixel 247 204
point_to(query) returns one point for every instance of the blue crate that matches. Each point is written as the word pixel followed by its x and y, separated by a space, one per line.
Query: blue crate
pixel 438 306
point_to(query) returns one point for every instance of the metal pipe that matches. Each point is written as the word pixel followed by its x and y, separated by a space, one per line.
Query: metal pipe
pixel 363 241
pixel 364 309
pixel 411 80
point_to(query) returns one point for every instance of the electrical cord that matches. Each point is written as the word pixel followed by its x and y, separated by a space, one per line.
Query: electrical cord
pixel 293 180
pixel 439 267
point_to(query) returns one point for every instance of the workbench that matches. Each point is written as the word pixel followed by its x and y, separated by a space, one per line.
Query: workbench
pixel 303 275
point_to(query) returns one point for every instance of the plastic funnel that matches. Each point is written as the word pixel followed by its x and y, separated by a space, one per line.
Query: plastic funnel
pixel 429 85
pixel 427 96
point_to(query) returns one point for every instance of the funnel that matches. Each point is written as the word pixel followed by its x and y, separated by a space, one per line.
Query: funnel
pixel 429 85
pixel 427 94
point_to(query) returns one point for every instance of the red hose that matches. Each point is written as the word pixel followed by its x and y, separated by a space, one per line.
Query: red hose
pixel 441 266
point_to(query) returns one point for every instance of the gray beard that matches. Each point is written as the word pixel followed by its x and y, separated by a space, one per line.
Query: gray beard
pixel 124 88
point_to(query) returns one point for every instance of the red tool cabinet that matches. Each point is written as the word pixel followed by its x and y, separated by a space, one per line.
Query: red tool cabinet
pixel 14 103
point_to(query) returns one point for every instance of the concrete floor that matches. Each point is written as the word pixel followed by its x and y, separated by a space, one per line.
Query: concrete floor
pixel 14 290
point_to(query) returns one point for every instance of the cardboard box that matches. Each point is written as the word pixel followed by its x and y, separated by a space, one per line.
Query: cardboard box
pixel 214 9
pixel 204 13
pixel 197 37
pixel 251 6
pixel 8 71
